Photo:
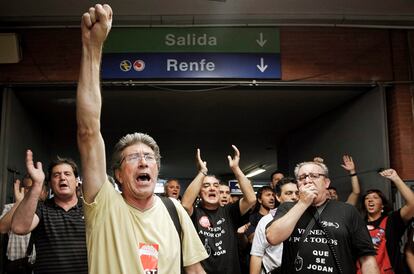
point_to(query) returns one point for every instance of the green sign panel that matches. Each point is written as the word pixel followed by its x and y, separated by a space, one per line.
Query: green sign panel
pixel 213 39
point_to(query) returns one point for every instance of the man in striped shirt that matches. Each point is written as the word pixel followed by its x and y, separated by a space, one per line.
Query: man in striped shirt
pixel 57 225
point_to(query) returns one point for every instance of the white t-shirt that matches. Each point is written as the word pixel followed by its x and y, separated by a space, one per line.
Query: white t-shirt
pixel 271 254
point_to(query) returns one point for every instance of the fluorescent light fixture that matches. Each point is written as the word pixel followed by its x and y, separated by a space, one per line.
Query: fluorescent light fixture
pixel 255 172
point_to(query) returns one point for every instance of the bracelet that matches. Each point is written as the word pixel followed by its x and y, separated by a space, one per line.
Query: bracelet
pixel 204 173
pixel 353 174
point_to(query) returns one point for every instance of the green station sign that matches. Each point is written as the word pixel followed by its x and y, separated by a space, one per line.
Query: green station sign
pixel 195 39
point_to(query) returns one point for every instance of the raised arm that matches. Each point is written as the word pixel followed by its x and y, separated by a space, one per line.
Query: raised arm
pixel 283 227
pixel 249 198
pixel 6 219
pixel 95 26
pixel 407 211
pixel 192 191
pixel 349 166
pixel 25 218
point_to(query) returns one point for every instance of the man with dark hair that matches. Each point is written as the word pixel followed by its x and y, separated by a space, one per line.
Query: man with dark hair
pixel 265 201
pixel 132 232
pixel 319 234
pixel 61 161
pixel 57 225
pixel 275 177
pixel 216 225
pixel 266 258
pixel 224 192
pixel 285 181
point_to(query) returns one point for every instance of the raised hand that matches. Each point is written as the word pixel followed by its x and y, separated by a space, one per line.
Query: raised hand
pixel 18 191
pixel 234 162
pixel 390 174
pixel 96 24
pixel 348 163
pixel 35 171
pixel 202 165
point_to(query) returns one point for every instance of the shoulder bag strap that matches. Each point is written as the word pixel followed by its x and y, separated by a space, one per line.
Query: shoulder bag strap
pixel 172 210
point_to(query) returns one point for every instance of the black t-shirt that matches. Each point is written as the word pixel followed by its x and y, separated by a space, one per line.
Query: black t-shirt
pixel 394 230
pixel 217 231
pixel 410 236
pixel 254 219
pixel 349 238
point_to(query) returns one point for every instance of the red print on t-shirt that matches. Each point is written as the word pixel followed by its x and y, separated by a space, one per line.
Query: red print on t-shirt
pixel 204 222
pixel 148 253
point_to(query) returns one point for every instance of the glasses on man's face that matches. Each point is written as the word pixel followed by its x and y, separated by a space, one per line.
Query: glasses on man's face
pixel 136 157
pixel 312 176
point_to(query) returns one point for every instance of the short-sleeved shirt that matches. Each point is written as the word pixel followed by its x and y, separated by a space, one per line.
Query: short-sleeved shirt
pixel 60 239
pixel 271 254
pixel 349 238
pixel 217 231
pixel 122 239
pixel 17 244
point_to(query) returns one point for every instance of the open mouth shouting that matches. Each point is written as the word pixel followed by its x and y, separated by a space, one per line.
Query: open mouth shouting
pixel 224 201
pixel 212 195
pixel 63 185
pixel 143 178
pixel 373 206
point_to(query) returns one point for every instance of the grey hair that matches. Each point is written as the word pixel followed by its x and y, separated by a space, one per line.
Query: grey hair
pixel 168 182
pixel 132 139
pixel 321 165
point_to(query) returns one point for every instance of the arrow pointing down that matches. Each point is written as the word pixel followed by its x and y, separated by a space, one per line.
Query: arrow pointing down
pixel 262 67
pixel 261 42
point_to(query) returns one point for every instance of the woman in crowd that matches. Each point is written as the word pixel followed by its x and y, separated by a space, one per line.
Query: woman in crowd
pixel 386 227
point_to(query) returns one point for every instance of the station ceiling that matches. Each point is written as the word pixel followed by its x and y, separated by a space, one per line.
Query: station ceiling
pixel 398 13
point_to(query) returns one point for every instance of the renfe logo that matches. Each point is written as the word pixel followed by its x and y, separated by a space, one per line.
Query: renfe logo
pixel 202 65
pixel 139 65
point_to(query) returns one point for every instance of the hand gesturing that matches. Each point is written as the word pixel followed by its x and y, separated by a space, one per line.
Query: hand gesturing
pixel 234 162
pixel 35 171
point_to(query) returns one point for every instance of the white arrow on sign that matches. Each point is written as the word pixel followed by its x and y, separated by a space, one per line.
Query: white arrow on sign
pixel 261 42
pixel 262 67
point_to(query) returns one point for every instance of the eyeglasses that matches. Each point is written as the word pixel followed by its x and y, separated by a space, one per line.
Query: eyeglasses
pixel 312 176
pixel 136 157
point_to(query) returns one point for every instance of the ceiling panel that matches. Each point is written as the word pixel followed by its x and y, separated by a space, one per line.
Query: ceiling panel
pixel 165 12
